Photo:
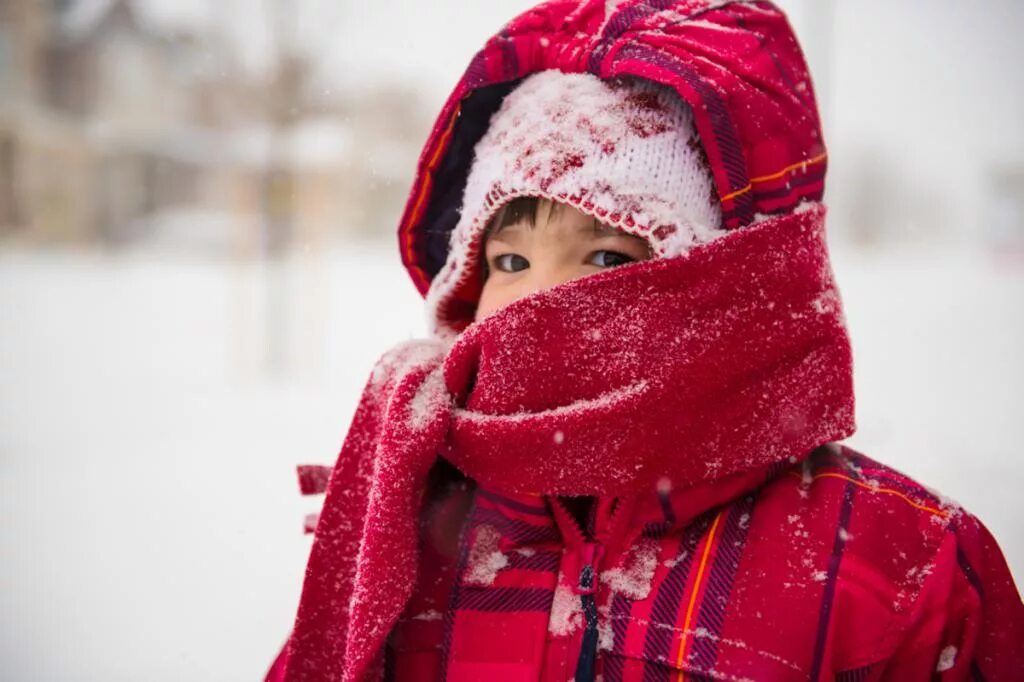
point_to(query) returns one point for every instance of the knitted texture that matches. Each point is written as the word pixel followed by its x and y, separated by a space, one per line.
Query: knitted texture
pixel 624 151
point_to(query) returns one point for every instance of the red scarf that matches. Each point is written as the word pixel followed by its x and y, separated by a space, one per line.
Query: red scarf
pixel 729 358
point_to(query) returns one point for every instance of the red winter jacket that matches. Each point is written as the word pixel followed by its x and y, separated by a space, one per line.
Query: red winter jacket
pixel 834 568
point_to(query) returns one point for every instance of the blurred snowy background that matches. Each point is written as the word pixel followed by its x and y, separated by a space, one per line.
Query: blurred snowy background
pixel 198 267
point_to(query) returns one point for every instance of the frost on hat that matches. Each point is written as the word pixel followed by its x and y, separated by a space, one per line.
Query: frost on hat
pixel 623 151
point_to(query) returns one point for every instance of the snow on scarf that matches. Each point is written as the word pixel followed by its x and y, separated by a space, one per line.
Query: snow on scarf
pixel 727 358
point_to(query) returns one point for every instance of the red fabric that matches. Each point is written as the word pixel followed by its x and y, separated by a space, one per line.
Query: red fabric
pixel 833 568
pixel 313 478
pixel 674 372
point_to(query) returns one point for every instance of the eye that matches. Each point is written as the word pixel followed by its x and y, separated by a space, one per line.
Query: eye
pixel 510 262
pixel 609 259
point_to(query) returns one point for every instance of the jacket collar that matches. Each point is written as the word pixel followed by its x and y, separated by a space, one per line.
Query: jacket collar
pixel 616 522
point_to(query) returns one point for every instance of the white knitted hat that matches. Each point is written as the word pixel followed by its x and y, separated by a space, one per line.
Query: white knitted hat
pixel 624 151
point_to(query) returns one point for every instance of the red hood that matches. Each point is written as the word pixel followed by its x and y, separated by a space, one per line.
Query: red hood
pixel 737 64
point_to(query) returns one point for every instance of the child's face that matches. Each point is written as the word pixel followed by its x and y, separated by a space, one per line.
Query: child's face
pixel 563 244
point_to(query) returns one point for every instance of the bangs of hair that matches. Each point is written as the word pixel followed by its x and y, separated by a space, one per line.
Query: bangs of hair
pixel 517 210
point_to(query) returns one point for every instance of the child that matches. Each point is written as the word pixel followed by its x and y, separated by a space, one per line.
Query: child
pixel 616 457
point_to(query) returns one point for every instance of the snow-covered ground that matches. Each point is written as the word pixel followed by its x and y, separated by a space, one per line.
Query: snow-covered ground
pixel 151 522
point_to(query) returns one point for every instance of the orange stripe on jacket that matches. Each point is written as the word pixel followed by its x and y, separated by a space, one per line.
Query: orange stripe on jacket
pixel 696 590
pixel 774 176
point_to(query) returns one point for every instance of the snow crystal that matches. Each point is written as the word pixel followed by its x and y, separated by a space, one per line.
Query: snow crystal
pixel 897 604
pixel 806 479
pixel 428 615
pixel 559 437
pixel 744 521
pixel 946 659
pixel 429 399
pixel 664 485
pixel 669 563
pixel 634 581
pixel 826 302
pixel 605 633
pixel 566 612
pixel 805 474
pixel 820 576
pixel 852 466
pixel 925 571
pixel 405 357
pixel 525 551
pixel 605 636
pixel 485 560
pixel 710 25
pixel 947 504
pixel 844 534
pixel 609 399
pixel 704 633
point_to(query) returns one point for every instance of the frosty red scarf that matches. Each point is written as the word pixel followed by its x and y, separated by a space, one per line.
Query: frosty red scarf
pixel 731 357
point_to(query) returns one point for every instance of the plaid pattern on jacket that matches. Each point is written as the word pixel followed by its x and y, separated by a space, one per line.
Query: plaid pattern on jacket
pixel 833 568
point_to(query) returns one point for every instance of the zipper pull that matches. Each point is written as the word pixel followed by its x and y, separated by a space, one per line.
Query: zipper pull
pixel 591 556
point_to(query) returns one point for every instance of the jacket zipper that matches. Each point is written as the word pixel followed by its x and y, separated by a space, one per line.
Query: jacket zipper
pixel 587 586
pixel 587 582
